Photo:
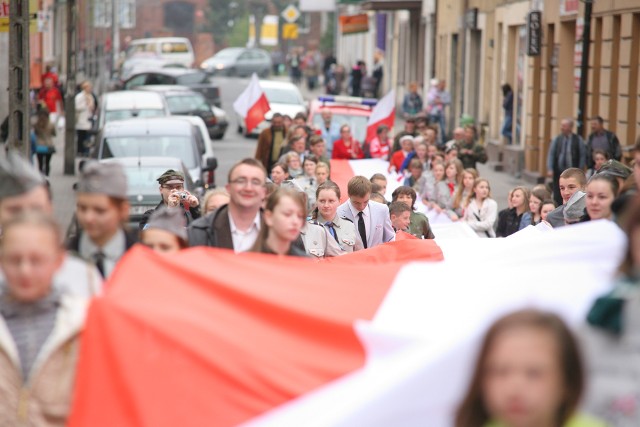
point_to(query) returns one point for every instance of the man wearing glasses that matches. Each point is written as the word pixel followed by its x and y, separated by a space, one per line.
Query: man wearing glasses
pixel 174 195
pixel 235 225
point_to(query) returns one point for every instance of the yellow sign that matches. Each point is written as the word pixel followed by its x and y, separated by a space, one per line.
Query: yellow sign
pixel 291 14
pixel 4 16
pixel 290 31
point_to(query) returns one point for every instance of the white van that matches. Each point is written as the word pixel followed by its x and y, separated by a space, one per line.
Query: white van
pixel 128 104
pixel 174 50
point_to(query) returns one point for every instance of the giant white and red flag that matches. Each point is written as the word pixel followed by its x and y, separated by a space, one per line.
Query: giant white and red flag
pixel 384 336
pixel 252 104
pixel 384 113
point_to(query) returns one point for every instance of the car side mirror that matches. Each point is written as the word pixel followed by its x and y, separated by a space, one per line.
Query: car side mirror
pixel 212 164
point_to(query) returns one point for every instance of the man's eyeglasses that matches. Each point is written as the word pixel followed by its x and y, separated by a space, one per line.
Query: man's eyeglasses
pixel 243 182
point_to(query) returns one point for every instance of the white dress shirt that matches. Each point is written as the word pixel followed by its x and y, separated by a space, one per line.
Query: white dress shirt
pixel 244 240
pixel 366 216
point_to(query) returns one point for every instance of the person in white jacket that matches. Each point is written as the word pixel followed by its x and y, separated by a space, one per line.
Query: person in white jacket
pixel 85 102
pixel 40 326
pixel 482 210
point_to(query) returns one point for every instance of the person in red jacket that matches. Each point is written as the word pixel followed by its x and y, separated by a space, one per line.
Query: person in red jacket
pixel 397 159
pixel 346 148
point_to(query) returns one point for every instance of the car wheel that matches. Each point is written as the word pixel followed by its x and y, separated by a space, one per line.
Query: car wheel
pixel 219 136
pixel 232 72
pixel 264 73
pixel 239 129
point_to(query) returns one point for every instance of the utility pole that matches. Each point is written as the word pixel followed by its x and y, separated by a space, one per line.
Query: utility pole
pixel 115 35
pixel 70 93
pixel 19 100
pixel 584 67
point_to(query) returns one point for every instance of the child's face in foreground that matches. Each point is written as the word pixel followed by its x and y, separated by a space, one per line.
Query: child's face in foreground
pixel 522 384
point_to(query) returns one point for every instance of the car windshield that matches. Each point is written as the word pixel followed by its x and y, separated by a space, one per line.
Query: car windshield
pixel 180 147
pixel 143 180
pixel 228 54
pixel 358 124
pixel 191 78
pixel 113 115
pixel 282 96
pixel 186 103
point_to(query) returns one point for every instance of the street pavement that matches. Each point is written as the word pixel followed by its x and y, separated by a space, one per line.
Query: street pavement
pixel 228 151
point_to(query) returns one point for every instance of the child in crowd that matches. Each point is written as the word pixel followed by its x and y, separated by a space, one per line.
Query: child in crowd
pixel 571 180
pixel 380 180
pixel 601 191
pixel 600 157
pixel 292 160
pixel 482 210
pixel 166 231
pixel 322 172
pixel 517 217
pixel 419 223
pixel 431 190
pixel 463 191
pixel 415 180
pixel 547 207
pixel 213 199
pixel 279 173
pixel 535 203
pixel 528 373
pixel 283 218
pixel 400 214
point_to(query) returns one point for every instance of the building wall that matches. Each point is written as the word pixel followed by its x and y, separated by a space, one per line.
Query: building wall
pixel 548 84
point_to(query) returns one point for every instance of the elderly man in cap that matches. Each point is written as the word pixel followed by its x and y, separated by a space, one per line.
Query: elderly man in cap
pixel 174 195
pixel 23 189
pixel 102 209
pixel 166 231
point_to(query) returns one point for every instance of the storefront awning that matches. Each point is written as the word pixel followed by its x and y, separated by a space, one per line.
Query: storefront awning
pixel 381 5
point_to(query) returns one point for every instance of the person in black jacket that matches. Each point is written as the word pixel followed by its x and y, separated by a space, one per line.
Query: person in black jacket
pixel 174 195
pixel 517 217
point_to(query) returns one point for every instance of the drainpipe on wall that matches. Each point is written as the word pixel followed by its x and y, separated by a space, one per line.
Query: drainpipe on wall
pixel 584 67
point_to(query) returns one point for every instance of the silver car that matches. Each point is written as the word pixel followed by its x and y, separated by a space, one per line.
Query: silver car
pixel 239 61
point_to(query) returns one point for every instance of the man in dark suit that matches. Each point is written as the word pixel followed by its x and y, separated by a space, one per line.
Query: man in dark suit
pixel 235 225
pixel 371 218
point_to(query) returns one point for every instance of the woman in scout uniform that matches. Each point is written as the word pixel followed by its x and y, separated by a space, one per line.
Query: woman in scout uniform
pixel 343 230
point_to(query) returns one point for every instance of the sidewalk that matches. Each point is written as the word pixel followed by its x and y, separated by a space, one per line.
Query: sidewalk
pixel 64 201
pixel 501 183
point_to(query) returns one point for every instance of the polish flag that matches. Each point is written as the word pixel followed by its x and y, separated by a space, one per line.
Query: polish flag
pixel 384 113
pixel 209 337
pixel 252 104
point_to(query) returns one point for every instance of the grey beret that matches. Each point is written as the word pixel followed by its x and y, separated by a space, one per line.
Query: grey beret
pixel 103 178
pixel 18 176
pixel 171 220
pixel 615 168
pixel 292 184
pixel 574 210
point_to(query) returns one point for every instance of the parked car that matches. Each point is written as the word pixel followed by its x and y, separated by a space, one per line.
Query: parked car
pixel 184 101
pixel 157 137
pixel 239 61
pixel 347 110
pixel 142 186
pixel 173 50
pixel 196 80
pixel 129 104
pixel 283 97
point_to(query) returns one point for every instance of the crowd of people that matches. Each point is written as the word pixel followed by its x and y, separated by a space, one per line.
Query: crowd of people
pixel 283 202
